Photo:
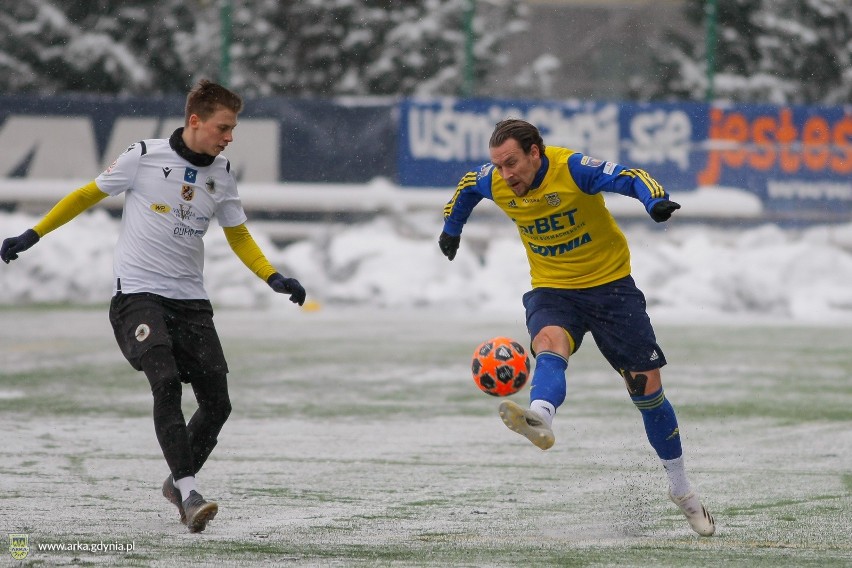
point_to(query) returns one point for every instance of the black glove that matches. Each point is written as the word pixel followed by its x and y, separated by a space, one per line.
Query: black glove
pixel 287 286
pixel 662 210
pixel 13 245
pixel 449 244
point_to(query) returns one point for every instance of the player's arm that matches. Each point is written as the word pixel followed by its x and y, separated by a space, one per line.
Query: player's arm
pixel 66 209
pixel 594 176
pixel 246 249
pixel 457 211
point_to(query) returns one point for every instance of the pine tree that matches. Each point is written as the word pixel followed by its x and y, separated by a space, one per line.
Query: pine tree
pixel 769 51
pixel 293 48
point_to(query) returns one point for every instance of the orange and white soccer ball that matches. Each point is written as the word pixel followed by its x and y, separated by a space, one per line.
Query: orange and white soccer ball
pixel 500 366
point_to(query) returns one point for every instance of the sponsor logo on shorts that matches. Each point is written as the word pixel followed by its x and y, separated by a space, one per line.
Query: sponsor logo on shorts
pixel 142 332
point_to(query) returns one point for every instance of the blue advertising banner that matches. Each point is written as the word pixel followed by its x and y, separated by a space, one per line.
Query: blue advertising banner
pixel 793 158
pixel 796 159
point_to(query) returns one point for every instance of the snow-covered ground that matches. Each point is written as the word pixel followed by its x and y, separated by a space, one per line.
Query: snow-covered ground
pixel 688 269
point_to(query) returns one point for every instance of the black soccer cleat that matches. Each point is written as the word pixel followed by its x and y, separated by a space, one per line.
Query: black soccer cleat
pixel 198 512
pixel 172 493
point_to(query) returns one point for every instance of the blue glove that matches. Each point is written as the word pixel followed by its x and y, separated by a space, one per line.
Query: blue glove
pixel 13 245
pixel 287 286
pixel 662 210
pixel 449 244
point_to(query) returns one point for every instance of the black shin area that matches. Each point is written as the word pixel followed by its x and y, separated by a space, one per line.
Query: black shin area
pixel 635 383
pixel 160 367
pixel 214 407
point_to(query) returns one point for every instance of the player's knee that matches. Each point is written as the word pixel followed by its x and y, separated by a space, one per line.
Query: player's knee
pixel 221 410
pixel 216 408
pixel 553 339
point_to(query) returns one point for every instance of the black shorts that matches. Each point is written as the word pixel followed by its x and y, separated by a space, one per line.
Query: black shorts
pixel 142 321
pixel 615 314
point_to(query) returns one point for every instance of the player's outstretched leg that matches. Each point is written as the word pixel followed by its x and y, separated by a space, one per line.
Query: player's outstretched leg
pixel 527 423
pixel 699 518
pixel 198 511
pixel 172 493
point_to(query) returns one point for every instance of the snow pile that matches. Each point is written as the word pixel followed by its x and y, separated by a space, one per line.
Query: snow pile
pixel 686 270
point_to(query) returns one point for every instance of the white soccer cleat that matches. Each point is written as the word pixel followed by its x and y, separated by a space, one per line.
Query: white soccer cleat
pixel 699 518
pixel 527 423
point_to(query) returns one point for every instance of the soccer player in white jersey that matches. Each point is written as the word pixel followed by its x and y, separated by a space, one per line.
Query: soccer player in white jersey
pixel 160 312
pixel 580 267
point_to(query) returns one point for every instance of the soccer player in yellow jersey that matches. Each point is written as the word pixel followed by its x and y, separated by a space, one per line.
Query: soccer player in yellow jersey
pixel 160 313
pixel 580 268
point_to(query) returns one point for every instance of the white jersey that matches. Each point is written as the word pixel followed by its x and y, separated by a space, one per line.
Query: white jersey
pixel 168 206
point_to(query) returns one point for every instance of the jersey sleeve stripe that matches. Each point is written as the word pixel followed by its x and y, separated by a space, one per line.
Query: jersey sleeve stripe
pixel 654 187
pixel 468 180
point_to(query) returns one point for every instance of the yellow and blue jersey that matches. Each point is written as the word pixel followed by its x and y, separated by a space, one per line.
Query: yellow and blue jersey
pixel 571 239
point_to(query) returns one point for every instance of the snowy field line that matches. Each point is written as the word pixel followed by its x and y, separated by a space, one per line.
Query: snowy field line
pixel 359 439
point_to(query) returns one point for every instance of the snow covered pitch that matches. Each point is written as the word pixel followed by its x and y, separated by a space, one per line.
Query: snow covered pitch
pixel 359 439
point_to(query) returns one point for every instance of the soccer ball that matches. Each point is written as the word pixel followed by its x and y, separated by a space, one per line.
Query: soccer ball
pixel 500 366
